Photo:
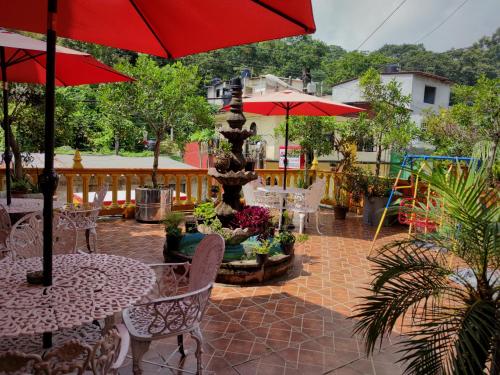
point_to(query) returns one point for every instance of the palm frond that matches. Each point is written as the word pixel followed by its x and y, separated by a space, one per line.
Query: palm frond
pixel 406 276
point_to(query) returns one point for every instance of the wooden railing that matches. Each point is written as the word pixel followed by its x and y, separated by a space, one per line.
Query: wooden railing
pixel 190 185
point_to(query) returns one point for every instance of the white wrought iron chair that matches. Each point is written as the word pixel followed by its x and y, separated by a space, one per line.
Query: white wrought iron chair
pixel 249 190
pixel 26 236
pixel 5 228
pixel 176 314
pixel 307 203
pixel 74 351
pixel 85 218
pixel 17 363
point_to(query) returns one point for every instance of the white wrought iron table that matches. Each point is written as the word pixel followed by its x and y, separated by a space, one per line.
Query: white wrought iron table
pixel 86 287
pixel 26 206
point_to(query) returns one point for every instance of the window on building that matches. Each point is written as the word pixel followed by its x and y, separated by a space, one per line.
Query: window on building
pixel 429 94
pixel 217 93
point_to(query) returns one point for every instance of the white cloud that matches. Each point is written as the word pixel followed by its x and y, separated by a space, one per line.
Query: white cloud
pixel 348 22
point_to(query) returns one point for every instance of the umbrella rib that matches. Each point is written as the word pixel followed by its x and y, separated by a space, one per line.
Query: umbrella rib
pixel 43 67
pixel 158 39
pixel 284 15
pixel 26 57
pixel 322 110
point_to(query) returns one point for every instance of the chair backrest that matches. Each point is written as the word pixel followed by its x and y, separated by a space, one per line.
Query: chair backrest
pixel 17 363
pixel 314 194
pixel 206 262
pixel 99 197
pixel 5 226
pixel 26 237
pixel 249 192
pixel 110 351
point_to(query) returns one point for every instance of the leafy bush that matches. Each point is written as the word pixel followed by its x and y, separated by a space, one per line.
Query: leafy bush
pixel 285 237
pixel 256 219
pixel 205 212
pixel 172 221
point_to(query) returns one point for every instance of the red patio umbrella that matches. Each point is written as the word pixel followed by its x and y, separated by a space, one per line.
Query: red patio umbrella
pixel 24 59
pixel 293 103
pixel 169 28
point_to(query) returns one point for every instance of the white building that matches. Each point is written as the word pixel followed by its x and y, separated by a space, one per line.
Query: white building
pixel 428 91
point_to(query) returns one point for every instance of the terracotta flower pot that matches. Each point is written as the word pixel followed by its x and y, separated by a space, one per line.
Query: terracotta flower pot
pixel 262 259
pixel 172 244
pixel 287 248
pixel 340 212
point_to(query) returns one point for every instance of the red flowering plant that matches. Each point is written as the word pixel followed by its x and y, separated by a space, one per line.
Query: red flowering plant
pixel 256 219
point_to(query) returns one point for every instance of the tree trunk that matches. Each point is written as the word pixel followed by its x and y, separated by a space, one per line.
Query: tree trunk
pixel 18 160
pixel 155 160
pixel 306 171
pixel 117 144
pixel 379 160
pixel 18 171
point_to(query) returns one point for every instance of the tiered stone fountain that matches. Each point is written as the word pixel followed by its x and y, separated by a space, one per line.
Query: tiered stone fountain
pixel 234 270
pixel 235 176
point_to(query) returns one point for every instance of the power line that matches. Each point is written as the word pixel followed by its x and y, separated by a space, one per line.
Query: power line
pixel 382 23
pixel 443 22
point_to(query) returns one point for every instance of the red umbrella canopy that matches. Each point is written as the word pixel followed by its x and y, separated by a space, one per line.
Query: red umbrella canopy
pixel 169 28
pixel 297 104
pixel 26 60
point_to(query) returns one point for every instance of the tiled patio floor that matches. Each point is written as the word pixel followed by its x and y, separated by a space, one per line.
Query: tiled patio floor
pixel 297 325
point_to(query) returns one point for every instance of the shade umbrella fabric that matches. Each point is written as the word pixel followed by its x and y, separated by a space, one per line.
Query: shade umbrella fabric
pixel 23 59
pixel 293 103
pixel 167 28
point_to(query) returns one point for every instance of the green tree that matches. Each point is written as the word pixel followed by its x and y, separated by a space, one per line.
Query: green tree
pixel 165 99
pixel 352 65
pixel 389 122
pixel 474 118
pixel 441 289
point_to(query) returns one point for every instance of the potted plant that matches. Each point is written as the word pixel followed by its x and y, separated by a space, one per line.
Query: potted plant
pixel 286 240
pixel 223 156
pixel 173 232
pixel 24 188
pixel 341 198
pixel 262 252
pixel 376 191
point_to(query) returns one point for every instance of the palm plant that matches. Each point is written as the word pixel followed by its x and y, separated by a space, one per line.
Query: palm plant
pixel 443 288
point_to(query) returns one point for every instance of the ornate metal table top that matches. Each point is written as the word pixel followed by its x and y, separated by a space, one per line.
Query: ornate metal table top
pixel 28 205
pixel 85 287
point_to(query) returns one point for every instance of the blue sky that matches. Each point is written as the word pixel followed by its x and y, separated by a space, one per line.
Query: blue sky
pixel 348 22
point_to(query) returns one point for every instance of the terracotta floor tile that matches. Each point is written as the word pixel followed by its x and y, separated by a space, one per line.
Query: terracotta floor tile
pixel 295 325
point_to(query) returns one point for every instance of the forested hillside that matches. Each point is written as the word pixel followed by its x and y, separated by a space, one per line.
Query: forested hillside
pixel 85 120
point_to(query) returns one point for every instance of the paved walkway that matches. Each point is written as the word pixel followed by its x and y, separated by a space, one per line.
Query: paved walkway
pixel 297 325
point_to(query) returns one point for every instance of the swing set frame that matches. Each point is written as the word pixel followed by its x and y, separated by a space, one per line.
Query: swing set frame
pixel 408 165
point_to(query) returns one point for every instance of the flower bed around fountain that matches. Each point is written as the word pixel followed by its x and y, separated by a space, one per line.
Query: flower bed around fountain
pixel 239 266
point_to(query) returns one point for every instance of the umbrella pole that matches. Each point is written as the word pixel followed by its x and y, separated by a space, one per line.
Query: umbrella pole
pixel 285 164
pixel 6 123
pixel 48 179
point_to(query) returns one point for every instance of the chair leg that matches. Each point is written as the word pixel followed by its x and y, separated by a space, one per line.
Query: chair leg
pixel 197 336
pixel 317 222
pixel 138 350
pixel 87 239
pixel 91 239
pixel 301 222
pixel 180 344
